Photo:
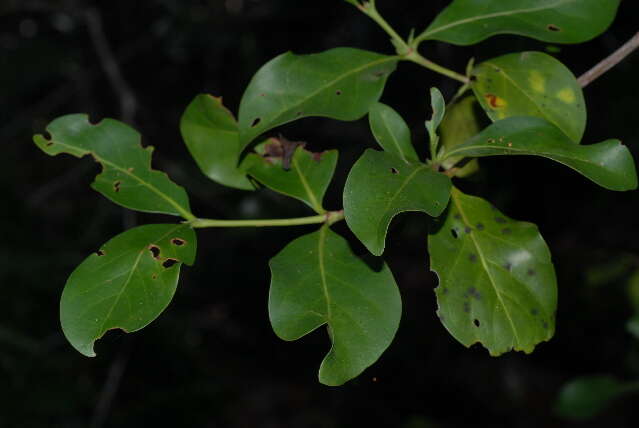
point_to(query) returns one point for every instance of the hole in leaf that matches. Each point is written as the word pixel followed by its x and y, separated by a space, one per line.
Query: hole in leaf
pixel 454 233
pixel 178 242
pixel 476 322
pixel 338 92
pixel 168 263
pixel 100 253
pixel 116 186
pixel 394 171
pixel 553 27
pixel 256 122
pixel 155 251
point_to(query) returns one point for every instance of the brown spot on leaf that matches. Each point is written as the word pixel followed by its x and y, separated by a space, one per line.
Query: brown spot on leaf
pixel 178 242
pixel 553 27
pixel 168 263
pixel 338 92
pixel 116 186
pixel 530 272
pixel 495 101
pixel 100 253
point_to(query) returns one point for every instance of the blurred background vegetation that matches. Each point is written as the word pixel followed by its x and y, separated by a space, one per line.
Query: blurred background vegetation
pixel 211 360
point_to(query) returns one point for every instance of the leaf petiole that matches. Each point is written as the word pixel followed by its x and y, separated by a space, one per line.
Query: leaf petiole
pixel 329 218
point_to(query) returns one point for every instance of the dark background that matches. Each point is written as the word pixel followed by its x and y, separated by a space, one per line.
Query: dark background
pixel 211 360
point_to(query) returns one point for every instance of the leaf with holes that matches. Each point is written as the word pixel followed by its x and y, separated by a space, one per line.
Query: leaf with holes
pixel 126 178
pixel 465 22
pixel 317 280
pixel 609 164
pixel 286 167
pixel 460 124
pixel 210 133
pixel 531 84
pixel 497 283
pixel 380 186
pixel 391 132
pixel 126 284
pixel 340 83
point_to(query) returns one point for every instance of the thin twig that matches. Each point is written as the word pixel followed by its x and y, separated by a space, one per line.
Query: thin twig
pixel 128 102
pixel 609 62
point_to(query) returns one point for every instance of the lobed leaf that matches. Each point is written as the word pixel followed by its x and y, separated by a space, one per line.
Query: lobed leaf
pixel 531 84
pixel 126 284
pixel 380 186
pixel 459 125
pixel 286 167
pixel 609 164
pixel 317 280
pixel 126 178
pixel 497 283
pixel 466 22
pixel 340 83
pixel 210 133
pixel 391 132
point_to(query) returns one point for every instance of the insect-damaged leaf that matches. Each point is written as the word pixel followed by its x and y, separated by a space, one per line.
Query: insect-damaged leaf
pixel 531 84
pixel 391 132
pixel 340 83
pixel 380 186
pixel 286 167
pixel 211 135
pixel 497 284
pixel 460 124
pixel 126 284
pixel 317 280
pixel 609 164
pixel 126 178
pixel 465 22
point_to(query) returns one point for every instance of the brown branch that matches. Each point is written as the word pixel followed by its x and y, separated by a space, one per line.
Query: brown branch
pixel 609 62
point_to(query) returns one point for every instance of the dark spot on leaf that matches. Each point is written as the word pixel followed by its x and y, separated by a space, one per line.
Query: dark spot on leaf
pixel 466 307
pixel 299 113
pixel 476 322
pixel 100 253
pixel 130 169
pixel 338 92
pixel 473 78
pixel 457 217
pixel 168 263
pixel 508 266
pixel 506 231
pixel 116 186
pixel 500 220
pixel 473 292
pixel 454 233
pixel 256 122
pixel 49 143
pixel 444 290
pixel 497 69
pixel 545 325
pixel 534 312
pixel 491 140
pixel 472 257
pixel 178 242
pixel 553 27
pixel 480 226
pixel 467 229
pixel 394 171
pixel 155 251
pixel 154 276
pixel 317 157
pixel 262 95
pixel 530 272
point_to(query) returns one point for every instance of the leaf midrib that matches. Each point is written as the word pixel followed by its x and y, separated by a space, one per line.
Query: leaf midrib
pixel 317 206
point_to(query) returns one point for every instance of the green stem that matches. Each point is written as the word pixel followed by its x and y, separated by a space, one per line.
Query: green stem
pixel 329 218
pixel 415 57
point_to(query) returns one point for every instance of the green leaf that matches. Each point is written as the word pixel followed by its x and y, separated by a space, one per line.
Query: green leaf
pixel 317 280
pixel 460 124
pixel 531 84
pixel 126 178
pixel 497 284
pixel 380 186
pixel 391 132
pixel 609 164
pixel 211 135
pixel 438 106
pixel 340 83
pixel 126 284
pixel 466 22
pixel 585 397
pixel 286 167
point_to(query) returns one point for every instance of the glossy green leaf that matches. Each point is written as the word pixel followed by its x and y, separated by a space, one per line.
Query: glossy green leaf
pixel 497 284
pixel 609 164
pixel 288 168
pixel 531 84
pixel 126 284
pixel 585 397
pixel 380 186
pixel 459 125
pixel 210 133
pixel 341 83
pixel 317 280
pixel 438 105
pixel 391 132
pixel 465 22
pixel 126 178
